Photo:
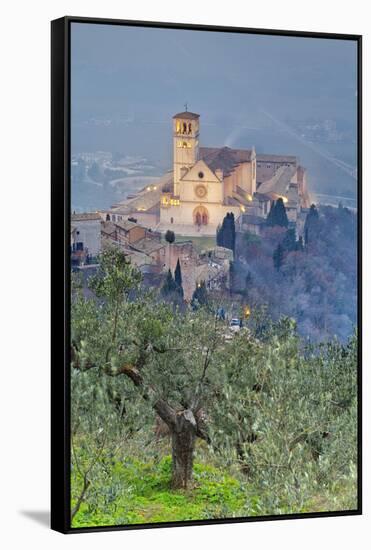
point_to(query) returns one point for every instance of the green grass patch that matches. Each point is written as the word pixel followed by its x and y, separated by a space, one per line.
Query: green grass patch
pixel 143 495
pixel 200 243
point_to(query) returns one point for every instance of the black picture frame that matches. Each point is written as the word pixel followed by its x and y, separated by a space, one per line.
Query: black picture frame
pixel 60 267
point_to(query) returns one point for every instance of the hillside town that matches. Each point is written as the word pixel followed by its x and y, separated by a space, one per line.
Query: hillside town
pixel 191 201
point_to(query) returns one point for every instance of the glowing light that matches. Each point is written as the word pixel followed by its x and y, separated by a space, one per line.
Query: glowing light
pixel 154 187
pixel 149 188
pixel 247 311
pixel 285 199
pixel 184 144
pixel 248 197
pixel 242 208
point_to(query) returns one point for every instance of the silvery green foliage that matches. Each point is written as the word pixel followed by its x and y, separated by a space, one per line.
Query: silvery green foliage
pixel 281 417
pixel 288 416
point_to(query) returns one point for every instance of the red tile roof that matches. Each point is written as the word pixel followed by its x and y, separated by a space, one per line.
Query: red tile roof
pixel 224 158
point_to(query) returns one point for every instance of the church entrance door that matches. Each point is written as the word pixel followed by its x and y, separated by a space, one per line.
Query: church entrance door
pixel 200 216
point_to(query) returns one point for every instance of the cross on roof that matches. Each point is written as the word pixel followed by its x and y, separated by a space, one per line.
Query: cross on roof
pixel 186 106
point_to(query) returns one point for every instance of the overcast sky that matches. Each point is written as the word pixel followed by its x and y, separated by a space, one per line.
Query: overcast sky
pixel 137 78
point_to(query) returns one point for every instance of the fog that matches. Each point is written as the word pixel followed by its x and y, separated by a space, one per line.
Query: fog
pixel 127 82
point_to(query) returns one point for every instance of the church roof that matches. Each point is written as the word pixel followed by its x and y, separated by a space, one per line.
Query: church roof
pixel 224 158
pixel 187 115
pixel 276 158
pixel 279 183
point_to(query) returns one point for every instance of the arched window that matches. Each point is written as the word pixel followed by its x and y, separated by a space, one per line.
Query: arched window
pixel 189 128
pixel 171 220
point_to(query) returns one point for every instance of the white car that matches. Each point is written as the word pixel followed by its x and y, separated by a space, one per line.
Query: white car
pixel 235 325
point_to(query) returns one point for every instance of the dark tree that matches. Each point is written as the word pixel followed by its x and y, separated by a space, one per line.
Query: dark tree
pixel 200 297
pixel 299 246
pixel 311 224
pixel 277 215
pixel 226 233
pixel 248 284
pixel 289 241
pixel 178 279
pixel 270 217
pixel 169 236
pixel 169 285
pixel 278 257
pixel 178 274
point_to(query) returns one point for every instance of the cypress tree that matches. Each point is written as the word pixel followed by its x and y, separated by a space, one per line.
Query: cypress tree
pixel 269 220
pixel 232 231
pixel 178 274
pixel 278 257
pixel 178 279
pixel 169 285
pixel 226 233
pixel 311 224
pixel 199 297
pixel 280 214
pixel 277 215
pixel 289 241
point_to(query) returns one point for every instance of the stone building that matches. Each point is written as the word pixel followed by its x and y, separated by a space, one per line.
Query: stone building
pixel 206 183
pixel 86 233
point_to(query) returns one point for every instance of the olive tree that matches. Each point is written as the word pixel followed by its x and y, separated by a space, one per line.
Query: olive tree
pixel 168 356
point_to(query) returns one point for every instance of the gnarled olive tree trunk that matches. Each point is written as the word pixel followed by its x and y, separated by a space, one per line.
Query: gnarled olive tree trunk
pixel 183 436
pixel 183 426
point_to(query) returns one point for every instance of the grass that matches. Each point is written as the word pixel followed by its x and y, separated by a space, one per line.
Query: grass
pixel 200 243
pixel 145 496
pixel 131 491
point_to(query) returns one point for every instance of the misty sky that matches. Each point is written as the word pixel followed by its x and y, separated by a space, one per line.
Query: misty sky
pixel 132 80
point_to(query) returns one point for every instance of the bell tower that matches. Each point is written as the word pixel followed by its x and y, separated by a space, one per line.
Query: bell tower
pixel 185 144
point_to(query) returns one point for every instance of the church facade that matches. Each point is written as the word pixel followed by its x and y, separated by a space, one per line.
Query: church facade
pixel 207 182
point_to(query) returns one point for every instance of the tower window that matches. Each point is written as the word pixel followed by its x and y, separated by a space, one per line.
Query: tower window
pixel 184 144
pixel 201 175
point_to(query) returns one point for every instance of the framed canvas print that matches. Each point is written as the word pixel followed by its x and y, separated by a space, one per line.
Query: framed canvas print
pixel 206 193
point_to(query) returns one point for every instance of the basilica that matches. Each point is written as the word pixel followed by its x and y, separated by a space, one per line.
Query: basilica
pixel 207 182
